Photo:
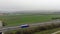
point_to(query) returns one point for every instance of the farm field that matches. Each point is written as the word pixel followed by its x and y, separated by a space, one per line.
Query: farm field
pixel 13 20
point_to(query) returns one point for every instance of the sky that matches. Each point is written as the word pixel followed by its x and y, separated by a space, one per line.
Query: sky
pixel 22 5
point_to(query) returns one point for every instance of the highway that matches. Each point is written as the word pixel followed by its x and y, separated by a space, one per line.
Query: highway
pixel 3 29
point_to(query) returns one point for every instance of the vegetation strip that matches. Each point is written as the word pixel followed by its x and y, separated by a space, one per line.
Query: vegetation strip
pixel 56 32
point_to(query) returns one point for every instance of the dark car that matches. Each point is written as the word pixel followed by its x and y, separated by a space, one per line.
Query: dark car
pixel 24 26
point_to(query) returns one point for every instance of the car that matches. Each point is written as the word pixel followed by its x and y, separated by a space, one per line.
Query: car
pixel 25 26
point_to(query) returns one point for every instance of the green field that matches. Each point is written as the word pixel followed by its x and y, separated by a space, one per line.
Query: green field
pixel 48 31
pixel 13 20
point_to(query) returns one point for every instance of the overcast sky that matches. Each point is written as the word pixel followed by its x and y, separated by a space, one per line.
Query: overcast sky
pixel 18 5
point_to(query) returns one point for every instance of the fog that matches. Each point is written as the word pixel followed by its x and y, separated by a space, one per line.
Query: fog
pixel 23 5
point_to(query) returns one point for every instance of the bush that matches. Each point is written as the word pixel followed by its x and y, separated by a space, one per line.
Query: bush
pixel 17 32
pixel 9 33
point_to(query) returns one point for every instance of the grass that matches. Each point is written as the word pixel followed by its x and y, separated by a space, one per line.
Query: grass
pixel 48 31
pixel 13 20
pixel 58 33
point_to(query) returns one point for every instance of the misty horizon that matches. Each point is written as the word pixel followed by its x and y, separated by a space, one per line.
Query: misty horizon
pixel 35 11
pixel 29 5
